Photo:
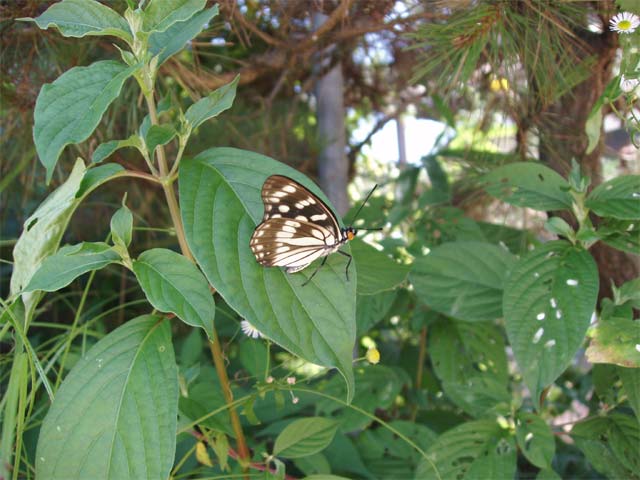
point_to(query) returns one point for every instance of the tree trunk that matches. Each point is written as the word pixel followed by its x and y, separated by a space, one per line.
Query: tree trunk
pixel 333 168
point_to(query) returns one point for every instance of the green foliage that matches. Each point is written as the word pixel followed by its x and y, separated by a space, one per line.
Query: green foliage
pixel 220 188
pixel 118 406
pixel 445 301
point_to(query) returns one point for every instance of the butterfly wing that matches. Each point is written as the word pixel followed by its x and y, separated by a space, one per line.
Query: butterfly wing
pixel 297 227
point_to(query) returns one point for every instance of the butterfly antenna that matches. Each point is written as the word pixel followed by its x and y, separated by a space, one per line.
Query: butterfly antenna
pixel 355 217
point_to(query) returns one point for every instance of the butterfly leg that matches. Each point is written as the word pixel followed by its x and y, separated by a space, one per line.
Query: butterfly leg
pixel 346 270
pixel 315 271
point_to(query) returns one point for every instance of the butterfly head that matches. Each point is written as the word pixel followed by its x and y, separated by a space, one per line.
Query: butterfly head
pixel 350 233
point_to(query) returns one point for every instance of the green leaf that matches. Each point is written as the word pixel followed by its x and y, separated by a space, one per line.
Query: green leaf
pixel 535 439
pixel 616 340
pixel 159 135
pixel 115 415
pixel 593 129
pixel 304 437
pixel 387 455
pixel 122 226
pixel 548 474
pixel 167 43
pixel 463 279
pixel 621 234
pixel 80 18
pixel 611 444
pixel 631 382
pixel 96 176
pixel 558 226
pixel 174 284
pixel 377 387
pixel 549 298
pixel 69 109
pixel 470 360
pixel 371 262
pixel 629 292
pixel 68 263
pixel 161 14
pixel 618 198
pixel 437 176
pixel 324 476
pixel 370 309
pixel 316 464
pixel 529 184
pixel 253 356
pixel 344 457
pixel 213 104
pixel 221 205
pixel 106 149
pixel 43 230
pixel 473 450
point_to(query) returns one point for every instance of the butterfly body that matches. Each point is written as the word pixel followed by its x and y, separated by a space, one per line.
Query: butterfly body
pixel 297 227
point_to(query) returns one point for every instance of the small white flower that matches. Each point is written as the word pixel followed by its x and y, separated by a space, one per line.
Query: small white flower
pixel 291 380
pixel 624 22
pixel 628 85
pixel 249 330
pixel 270 379
pixel 295 400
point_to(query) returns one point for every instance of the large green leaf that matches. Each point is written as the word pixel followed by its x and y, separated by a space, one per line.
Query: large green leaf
pixel 213 104
pixel 174 284
pixel 549 298
pixel 474 450
pixel 221 205
pixel 159 15
pixel 529 184
pixel 80 18
pixel 535 439
pixel 377 272
pixel 115 415
pixel 68 263
pixel 304 437
pixel 43 230
pixel 463 279
pixel 615 340
pixel 617 198
pixel 611 444
pixel 69 109
pixel 470 360
pixel 173 39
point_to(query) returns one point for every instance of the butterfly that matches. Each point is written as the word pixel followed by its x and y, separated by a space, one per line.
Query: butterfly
pixel 298 228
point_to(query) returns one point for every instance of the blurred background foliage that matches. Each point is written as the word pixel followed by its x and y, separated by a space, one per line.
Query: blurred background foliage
pixel 501 81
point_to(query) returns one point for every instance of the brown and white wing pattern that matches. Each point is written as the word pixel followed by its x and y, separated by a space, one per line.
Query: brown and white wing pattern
pixel 297 227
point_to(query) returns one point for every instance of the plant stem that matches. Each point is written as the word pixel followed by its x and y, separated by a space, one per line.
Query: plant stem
pixel 422 352
pixel 167 185
pixel 216 351
pixel 218 360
